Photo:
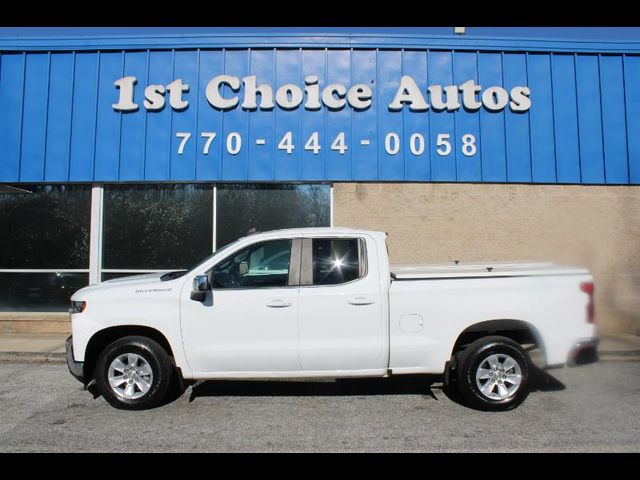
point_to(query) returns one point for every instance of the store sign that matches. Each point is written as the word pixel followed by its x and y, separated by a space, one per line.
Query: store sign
pixel 227 92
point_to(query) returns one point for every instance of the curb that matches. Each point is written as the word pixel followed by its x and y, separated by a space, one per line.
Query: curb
pixel 620 356
pixel 620 353
pixel 32 357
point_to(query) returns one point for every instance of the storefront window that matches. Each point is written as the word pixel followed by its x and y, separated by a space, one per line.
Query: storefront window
pixel 45 234
pixel 243 207
pixel 156 227
pixel 45 226
pixel 39 292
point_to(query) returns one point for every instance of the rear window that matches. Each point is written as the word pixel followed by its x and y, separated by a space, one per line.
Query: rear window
pixel 336 261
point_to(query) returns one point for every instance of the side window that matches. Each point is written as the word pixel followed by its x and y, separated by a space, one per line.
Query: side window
pixel 336 261
pixel 264 264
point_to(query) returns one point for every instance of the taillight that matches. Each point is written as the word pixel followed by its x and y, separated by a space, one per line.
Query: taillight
pixel 587 287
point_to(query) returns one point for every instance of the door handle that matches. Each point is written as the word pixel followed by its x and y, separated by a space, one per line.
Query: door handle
pixel 361 301
pixel 278 304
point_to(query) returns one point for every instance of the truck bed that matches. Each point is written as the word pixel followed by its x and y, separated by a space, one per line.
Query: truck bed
pixel 484 269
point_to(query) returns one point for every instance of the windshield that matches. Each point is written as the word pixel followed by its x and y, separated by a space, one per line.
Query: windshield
pixel 180 273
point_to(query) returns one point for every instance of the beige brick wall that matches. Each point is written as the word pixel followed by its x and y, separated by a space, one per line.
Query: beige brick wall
pixel 593 226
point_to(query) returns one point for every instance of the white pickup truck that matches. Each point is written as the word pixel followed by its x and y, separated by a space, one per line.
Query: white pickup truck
pixel 324 302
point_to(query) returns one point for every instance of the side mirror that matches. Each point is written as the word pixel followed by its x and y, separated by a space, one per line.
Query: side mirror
pixel 200 288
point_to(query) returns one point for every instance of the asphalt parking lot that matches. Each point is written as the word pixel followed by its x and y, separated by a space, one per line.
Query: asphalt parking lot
pixel 589 408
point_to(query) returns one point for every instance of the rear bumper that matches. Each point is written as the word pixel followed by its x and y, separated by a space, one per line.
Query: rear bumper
pixel 583 352
pixel 75 368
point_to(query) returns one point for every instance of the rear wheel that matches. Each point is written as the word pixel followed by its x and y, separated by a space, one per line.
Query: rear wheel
pixel 134 373
pixel 493 374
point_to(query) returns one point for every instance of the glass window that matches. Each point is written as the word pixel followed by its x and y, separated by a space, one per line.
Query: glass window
pixel 335 260
pixel 45 226
pixel 264 264
pixel 39 292
pixel 243 207
pixel 157 227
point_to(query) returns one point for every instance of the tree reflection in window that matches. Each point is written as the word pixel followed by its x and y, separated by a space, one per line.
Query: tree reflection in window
pixel 166 226
pixel 263 207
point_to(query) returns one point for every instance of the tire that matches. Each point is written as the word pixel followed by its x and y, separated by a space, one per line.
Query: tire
pixel 494 389
pixel 142 390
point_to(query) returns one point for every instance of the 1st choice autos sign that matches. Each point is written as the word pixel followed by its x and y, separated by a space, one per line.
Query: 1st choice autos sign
pixel 228 92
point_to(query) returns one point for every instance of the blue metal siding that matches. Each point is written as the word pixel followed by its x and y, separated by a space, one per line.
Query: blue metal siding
pixel 11 100
pixel 389 63
pixel 60 113
pixel 589 118
pixel 613 120
pixel 492 132
pixel 565 119
pixel 313 166
pixel 443 168
pixel 57 122
pixel 261 122
pixel 543 157
pixel 34 117
pixel 364 166
pixel 158 139
pixel 338 71
pixel 632 99
pixel 234 166
pixel 83 125
pixel 183 167
pixel 517 124
pixel 468 167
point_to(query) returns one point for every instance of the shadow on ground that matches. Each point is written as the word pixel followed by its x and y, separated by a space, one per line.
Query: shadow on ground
pixel 411 385
pixel 399 385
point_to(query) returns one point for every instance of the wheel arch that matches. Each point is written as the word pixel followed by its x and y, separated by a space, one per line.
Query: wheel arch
pixel 519 331
pixel 104 337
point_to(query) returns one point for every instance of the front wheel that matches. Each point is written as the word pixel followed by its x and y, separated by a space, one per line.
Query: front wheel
pixel 493 374
pixel 134 373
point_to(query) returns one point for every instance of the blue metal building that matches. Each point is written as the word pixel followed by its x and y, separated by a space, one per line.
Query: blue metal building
pixel 58 124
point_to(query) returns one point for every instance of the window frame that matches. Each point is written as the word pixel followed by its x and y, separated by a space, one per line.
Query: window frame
pixel 306 270
pixel 293 279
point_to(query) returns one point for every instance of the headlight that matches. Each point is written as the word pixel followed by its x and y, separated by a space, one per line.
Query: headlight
pixel 77 307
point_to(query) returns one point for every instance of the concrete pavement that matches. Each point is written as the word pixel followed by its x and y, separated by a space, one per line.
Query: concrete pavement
pixel 594 408
pixel 50 347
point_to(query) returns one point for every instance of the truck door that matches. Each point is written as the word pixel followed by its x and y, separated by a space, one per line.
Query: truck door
pixel 249 320
pixel 340 307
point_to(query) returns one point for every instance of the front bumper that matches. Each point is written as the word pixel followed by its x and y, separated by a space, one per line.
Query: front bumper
pixel 76 368
pixel 583 352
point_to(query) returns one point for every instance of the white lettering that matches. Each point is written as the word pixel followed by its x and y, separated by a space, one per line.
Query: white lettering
pixel 214 97
pixel 312 89
pixel 520 101
pixel 359 96
pixel 154 97
pixel 176 89
pixel 408 92
pixel 451 94
pixel 289 96
pixel 495 98
pixel 469 91
pixel 250 91
pixel 125 102
pixel 334 96
pixel 336 102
